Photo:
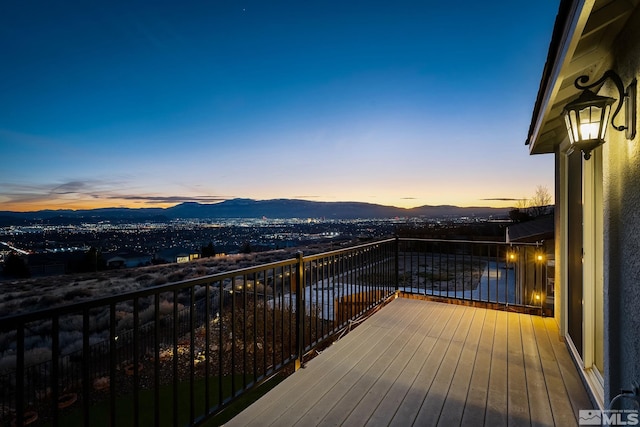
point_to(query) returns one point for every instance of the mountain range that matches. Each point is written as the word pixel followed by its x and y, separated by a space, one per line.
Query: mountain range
pixel 248 208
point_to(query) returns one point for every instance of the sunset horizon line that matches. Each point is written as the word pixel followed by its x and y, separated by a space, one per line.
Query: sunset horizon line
pixel 502 203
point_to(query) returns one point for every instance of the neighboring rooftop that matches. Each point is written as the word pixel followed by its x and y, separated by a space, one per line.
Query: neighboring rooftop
pixel 536 230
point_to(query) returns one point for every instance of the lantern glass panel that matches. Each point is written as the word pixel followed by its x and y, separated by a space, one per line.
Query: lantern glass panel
pixel 590 122
pixel 567 122
pixel 574 125
pixel 605 120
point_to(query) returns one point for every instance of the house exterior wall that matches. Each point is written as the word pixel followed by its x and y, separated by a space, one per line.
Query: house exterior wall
pixel 621 212
pixel 597 274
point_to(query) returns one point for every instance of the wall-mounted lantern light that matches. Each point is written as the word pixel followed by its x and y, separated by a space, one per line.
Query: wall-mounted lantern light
pixel 587 117
pixel 536 297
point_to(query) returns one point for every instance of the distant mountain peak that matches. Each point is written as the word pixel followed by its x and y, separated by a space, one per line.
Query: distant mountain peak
pixel 250 208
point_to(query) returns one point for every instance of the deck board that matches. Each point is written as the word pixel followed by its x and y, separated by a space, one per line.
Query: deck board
pixel 432 405
pixel 339 377
pixel 570 376
pixel 496 410
pixel 410 405
pixel 343 397
pixel 301 388
pixel 517 403
pixel 387 408
pixel 378 391
pixel 539 406
pixel 457 395
pixel 561 409
pixel 425 363
pixel 476 403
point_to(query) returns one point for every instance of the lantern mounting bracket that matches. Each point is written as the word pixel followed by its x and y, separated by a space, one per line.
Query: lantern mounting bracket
pixel 627 97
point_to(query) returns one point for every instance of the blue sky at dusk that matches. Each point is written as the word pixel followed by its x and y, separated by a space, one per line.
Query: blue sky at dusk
pixel 142 104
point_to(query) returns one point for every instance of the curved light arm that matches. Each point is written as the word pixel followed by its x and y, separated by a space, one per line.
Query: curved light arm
pixel 629 96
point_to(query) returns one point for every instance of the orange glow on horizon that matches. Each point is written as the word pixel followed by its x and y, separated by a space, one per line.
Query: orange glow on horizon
pixel 77 205
pixel 80 204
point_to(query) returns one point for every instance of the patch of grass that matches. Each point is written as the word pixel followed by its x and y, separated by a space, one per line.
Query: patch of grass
pixel 244 402
pixel 373 279
pixel 100 416
pixel 405 279
pixel 436 276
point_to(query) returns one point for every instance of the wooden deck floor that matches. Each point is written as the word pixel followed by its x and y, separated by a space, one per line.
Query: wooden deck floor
pixel 425 363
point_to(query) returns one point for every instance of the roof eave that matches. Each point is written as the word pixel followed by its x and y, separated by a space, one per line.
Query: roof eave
pixel 570 20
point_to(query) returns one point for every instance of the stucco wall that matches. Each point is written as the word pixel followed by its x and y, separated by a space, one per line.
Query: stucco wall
pixel 621 188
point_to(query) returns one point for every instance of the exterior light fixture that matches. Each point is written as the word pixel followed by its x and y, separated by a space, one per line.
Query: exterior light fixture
pixel 587 117
pixel 536 297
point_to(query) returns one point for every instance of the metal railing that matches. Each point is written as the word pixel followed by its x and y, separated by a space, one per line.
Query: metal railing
pixel 180 353
pixel 493 274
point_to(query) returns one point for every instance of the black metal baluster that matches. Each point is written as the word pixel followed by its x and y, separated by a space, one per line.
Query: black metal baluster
pixel 397 263
pixel 55 369
pixel 506 283
pixel 278 304
pixel 361 256
pixel 292 325
pixel 349 297
pixel 264 317
pixel 192 353
pixel 234 336
pixel 156 360
pixel 478 287
pixel 299 312
pixel 489 278
pixel 455 271
pixel 433 264
pixel 20 403
pixel 207 348
pixel 369 300
pixel 176 378
pixel 313 304
pixel 411 270
pixel 221 351
pixel 86 367
pixel 244 331
pixel 255 325
pixel 136 362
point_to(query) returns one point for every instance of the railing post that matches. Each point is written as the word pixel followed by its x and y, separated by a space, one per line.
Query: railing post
pixel 397 262
pixel 20 374
pixel 300 292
